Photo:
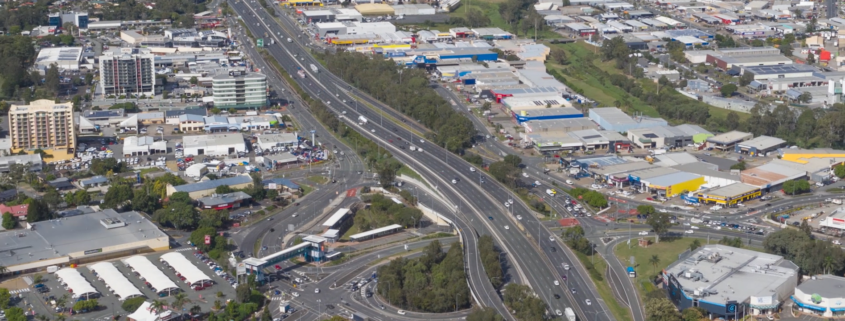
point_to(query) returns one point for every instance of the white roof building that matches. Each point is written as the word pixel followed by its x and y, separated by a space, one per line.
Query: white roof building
pixel 150 273
pixel 143 145
pixel 66 58
pixel 214 144
pixel 115 281
pixel 76 282
pixel 192 274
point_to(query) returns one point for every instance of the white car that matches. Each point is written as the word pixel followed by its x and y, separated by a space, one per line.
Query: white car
pixel 317 290
pixel 525 175
pixel 373 130
pixel 472 169
pixel 569 182
pixel 507 204
pixel 454 181
pixel 557 282
pixel 588 302
pixel 510 201
pixel 718 227
pixel 552 238
pixel 643 233
pixel 422 140
pixel 401 312
pixel 694 227
pixel 519 217
pixel 688 231
pixel 558 312
pixel 507 227
pixel 566 267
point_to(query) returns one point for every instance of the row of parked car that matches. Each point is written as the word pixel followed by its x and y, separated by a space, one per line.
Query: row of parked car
pixel 217 270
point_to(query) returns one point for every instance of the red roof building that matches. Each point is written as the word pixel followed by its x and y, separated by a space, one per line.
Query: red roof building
pixel 17 210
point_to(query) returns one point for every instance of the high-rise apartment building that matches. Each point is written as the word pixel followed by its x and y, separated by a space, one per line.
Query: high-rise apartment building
pixel 238 90
pixel 42 124
pixel 129 72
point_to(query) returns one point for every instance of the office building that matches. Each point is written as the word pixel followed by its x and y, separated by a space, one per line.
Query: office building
pixel 79 19
pixel 127 72
pixel 42 124
pixel 730 282
pixel 239 90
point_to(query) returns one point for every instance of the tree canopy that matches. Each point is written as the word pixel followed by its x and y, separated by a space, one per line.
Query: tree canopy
pixel 434 282
pixel 383 211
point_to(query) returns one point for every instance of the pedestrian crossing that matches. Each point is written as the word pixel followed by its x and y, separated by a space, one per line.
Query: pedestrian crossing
pixel 24 290
pixel 184 249
pixel 277 298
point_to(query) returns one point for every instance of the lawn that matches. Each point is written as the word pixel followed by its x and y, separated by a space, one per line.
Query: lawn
pixel 667 250
pixel 318 179
pixel 490 8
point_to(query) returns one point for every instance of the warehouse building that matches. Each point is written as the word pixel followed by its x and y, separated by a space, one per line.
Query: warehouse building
pixel 65 58
pixel 712 176
pixel 612 118
pixel 558 126
pixel 780 71
pixel 761 145
pixel 673 184
pixel 143 145
pixel 771 174
pixel 822 295
pixel 214 144
pixel 268 141
pixel 755 283
pixel 659 137
pixel 208 187
pixel 524 111
pixel 32 162
pixel 730 195
pixel 728 141
pixel 80 239
pixel 315 16
pixel 699 135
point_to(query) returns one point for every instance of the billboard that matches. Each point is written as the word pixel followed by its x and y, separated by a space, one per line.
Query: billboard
pixel 761 300
pixel 208 240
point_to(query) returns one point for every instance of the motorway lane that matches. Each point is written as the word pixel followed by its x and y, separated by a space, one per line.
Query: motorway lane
pixel 284 57
pixel 442 163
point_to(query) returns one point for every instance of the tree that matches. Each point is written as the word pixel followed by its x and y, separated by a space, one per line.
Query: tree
pixel 484 314
pixel 739 166
pixel 5 297
pixel 223 189
pixel 654 260
pixel 243 292
pixel 51 79
pixel 746 79
pixel 476 18
pixel 646 210
pixel 796 186
pixel 131 305
pixel 180 299
pixel 661 309
pixel 692 314
pixel 660 222
pixel 811 58
pixel 805 97
pixel 728 90
pixel 839 170
pixel 9 221
pixel 213 218
pixel 15 314
pixel 38 211
pixel 117 195
pixel 732 121
pixel 144 202
pixel 194 80
pixel 158 305
pixel 694 245
pixel 89 79
pixel 214 110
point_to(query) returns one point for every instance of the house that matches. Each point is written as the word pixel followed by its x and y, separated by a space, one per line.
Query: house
pixel 281 185
pixel 61 184
pixel 18 211
pixel 191 123
pixel 95 181
pixel 206 188
pixel 224 201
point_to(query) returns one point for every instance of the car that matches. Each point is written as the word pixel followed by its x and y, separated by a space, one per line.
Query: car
pixel 507 204
pixel 557 296
pixel 688 231
pixel 454 181
pixel 554 249
pixel 573 290
pixel 510 201
pixel 401 312
pixel 557 282
pixel 490 217
pixel 317 290
pixel 588 302
pixel 558 311
pixel 472 169
pixel 770 317
pixel 519 217
pixel 643 233
pixel 373 130
pixel 507 227
pixel 566 267
pixel 694 227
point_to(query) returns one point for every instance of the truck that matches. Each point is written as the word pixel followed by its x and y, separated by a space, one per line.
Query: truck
pixel 570 315
pixel 300 72
pixel 836 201
pixel 631 272
pixel 361 120
pixel 314 68
pixel 656 152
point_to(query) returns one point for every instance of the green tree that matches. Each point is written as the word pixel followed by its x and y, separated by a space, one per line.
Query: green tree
pixel 15 314
pixel 51 79
pixel 692 314
pixel 89 78
pixel 660 222
pixel 180 299
pixel 728 90
pixel 5 297
pixel 694 245
pixel 796 186
pixel 484 314
pixel 646 210
pixel 194 80
pixel 839 170
pixel 131 305
pixel 9 221
pixel 215 110
pixel 654 260
pixel 243 292
pixel 38 211
pixel 213 218
pixel 811 58
pixel 661 309
pixel 223 189
pixel 739 166
pixel 117 195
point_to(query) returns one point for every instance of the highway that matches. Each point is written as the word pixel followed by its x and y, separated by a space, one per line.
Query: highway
pixel 440 167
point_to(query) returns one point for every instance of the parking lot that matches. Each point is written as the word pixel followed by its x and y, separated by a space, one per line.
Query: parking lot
pixel 45 303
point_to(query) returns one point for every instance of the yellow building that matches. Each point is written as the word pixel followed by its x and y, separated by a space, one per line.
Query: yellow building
pixel 729 195
pixel 675 183
pixel 302 3
pixel 43 124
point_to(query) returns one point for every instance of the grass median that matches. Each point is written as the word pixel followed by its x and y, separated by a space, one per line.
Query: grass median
pixel 596 266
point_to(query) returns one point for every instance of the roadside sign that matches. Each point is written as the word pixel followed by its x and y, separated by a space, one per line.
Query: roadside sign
pixel 208 240
pixel 259 42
